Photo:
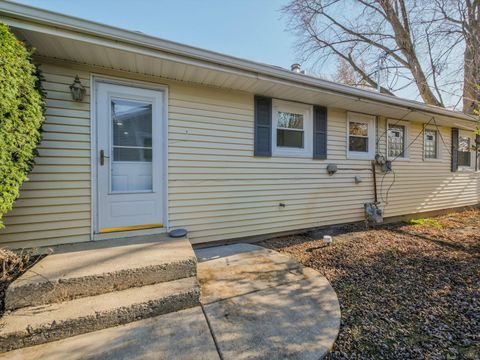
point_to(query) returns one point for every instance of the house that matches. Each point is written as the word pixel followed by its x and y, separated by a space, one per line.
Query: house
pixel 171 136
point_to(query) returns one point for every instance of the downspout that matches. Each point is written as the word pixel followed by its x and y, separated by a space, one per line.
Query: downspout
pixel 374 173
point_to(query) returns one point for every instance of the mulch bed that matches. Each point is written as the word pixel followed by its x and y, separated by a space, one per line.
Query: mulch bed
pixel 12 265
pixel 406 290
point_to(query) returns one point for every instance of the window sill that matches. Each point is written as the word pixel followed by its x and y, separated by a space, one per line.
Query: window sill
pixel 360 156
pixel 466 169
pixel 306 151
pixel 281 153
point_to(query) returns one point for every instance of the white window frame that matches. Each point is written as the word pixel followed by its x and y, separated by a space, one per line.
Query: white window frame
pixel 370 119
pixel 296 108
pixel 471 136
pixel 439 148
pixel 406 140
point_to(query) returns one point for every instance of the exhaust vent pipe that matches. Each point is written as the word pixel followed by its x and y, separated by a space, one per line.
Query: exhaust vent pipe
pixel 296 68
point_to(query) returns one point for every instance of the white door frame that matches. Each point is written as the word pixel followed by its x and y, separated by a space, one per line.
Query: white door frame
pixel 94 80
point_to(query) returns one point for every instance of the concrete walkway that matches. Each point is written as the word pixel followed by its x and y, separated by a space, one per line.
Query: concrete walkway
pixel 256 304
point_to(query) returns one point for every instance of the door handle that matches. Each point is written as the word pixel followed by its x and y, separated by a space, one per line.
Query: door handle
pixel 102 157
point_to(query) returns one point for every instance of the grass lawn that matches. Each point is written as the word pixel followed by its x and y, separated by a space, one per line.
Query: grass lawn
pixel 407 291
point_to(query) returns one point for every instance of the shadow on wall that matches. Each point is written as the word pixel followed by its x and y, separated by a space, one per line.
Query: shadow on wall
pixel 459 189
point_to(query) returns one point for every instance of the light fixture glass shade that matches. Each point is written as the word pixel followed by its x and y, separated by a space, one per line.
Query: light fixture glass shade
pixel 77 89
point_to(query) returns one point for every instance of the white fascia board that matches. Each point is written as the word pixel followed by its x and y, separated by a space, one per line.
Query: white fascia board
pixel 217 60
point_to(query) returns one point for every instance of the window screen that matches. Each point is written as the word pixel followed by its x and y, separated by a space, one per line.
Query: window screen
pixel 358 136
pixel 396 140
pixel 464 154
pixel 431 138
pixel 290 130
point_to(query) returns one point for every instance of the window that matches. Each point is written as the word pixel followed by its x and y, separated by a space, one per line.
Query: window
pixel 431 144
pixel 361 131
pixel 358 136
pixel 132 133
pixel 464 152
pixel 292 129
pixel 396 140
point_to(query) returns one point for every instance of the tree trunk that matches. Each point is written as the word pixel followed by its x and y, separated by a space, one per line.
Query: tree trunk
pixel 471 65
pixel 470 92
pixel 401 29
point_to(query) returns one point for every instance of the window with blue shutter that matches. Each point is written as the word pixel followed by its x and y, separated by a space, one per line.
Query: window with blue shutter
pixel 319 132
pixel 289 129
pixel 263 126
pixel 454 149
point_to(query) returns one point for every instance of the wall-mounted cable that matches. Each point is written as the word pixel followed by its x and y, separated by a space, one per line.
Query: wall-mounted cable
pixel 386 128
pixel 441 137
pixel 414 140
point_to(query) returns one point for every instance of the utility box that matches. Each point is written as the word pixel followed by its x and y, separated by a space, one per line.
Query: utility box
pixel 373 213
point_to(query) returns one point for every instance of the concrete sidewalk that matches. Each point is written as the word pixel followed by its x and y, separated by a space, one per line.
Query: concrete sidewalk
pixel 256 304
pixel 263 305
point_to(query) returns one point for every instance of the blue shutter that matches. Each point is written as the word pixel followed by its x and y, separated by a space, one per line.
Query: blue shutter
pixel 454 149
pixel 263 126
pixel 319 132
pixel 477 153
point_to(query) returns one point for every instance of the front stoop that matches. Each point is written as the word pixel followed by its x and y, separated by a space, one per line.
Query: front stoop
pixel 40 324
pixel 88 269
pixel 87 287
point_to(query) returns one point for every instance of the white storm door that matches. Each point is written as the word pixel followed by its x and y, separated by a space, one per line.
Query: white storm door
pixel 129 158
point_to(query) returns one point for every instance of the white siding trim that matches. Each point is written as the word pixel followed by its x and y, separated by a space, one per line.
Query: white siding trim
pixel 95 79
pixel 298 108
pixel 406 124
pixel 440 148
pixel 355 155
pixel 471 136
pixel 93 157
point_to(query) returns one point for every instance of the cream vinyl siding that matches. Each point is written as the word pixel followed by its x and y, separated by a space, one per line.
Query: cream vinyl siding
pixel 428 184
pixel 217 189
pixel 54 206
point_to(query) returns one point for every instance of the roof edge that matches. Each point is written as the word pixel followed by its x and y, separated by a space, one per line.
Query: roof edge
pixel 71 23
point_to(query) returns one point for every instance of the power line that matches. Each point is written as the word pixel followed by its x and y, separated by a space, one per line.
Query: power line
pixel 395 123
pixel 441 137
pixel 411 143
pixel 385 200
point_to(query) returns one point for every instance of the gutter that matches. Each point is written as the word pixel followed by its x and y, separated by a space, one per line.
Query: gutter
pixel 81 26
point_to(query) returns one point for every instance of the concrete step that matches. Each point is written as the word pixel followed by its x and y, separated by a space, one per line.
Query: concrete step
pixel 93 268
pixel 41 324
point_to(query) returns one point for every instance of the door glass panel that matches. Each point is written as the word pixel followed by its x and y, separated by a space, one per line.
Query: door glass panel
pixel 132 123
pixel 132 146
pixel 132 154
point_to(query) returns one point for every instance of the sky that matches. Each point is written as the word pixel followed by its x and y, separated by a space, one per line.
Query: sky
pixel 249 29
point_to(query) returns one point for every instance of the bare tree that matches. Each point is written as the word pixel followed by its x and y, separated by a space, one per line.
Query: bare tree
pixel 347 75
pixel 431 46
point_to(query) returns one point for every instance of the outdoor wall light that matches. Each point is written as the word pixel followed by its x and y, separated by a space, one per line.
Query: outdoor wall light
pixel 77 89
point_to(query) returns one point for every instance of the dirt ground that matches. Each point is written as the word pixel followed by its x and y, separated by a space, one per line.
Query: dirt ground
pixel 12 265
pixel 407 291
